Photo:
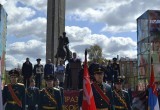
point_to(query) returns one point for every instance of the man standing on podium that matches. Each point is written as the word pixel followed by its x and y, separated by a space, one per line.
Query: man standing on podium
pixel 38 72
pixel 74 67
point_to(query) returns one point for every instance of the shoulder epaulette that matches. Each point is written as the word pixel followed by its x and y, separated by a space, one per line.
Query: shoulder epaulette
pixel 42 90
pixel 56 89
pixel 20 84
pixel 6 85
pixel 125 91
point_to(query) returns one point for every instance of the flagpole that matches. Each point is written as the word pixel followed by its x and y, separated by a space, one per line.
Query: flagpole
pixel 1 105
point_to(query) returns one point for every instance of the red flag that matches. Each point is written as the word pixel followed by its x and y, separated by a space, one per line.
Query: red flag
pixel 152 81
pixel 88 98
pixel 153 103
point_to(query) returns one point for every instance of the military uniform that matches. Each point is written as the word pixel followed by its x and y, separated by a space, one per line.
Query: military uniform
pixel 38 71
pixel 50 98
pixel 121 98
pixel 102 94
pixel 100 101
pixel 14 94
pixel 32 98
pixel 115 68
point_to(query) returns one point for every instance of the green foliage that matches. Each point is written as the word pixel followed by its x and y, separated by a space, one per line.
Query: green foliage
pixel 95 53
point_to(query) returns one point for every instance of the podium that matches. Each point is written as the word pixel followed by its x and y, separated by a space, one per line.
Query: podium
pixel 75 68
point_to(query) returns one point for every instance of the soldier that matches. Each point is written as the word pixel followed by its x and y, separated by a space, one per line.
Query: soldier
pixel 102 92
pixel 56 85
pixel 109 72
pixel 121 97
pixel 116 68
pixel 38 72
pixel 27 72
pixel 32 96
pixel 92 66
pixel 50 97
pixel 14 93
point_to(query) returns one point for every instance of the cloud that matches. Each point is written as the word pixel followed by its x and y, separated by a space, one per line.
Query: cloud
pixel 31 48
pixel 2 2
pixel 111 47
pixel 17 14
pixel 26 20
pixel 40 5
pixel 35 27
pixel 11 62
pixel 119 16
pixel 18 51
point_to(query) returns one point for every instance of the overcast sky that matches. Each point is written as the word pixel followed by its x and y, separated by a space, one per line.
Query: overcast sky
pixel 109 23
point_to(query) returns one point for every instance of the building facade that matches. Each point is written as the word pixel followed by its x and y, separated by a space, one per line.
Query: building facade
pixel 148 45
pixel 3 34
pixel 128 68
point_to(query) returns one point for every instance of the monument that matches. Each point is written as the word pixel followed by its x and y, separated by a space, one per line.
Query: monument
pixel 55 26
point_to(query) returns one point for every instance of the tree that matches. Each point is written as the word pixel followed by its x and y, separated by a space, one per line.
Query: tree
pixel 95 52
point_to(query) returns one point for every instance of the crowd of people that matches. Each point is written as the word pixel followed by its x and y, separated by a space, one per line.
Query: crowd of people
pixel 105 81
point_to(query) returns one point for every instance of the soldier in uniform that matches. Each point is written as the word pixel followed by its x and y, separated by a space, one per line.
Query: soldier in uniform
pixel 92 66
pixel 115 68
pixel 121 97
pixel 32 96
pixel 14 93
pixel 57 85
pixel 38 71
pixel 102 91
pixel 50 97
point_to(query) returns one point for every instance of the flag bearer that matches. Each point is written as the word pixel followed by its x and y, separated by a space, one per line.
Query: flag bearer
pixel 101 91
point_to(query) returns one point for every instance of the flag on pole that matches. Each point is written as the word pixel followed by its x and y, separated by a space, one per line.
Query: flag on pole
pixel 153 95
pixel 1 105
pixel 88 98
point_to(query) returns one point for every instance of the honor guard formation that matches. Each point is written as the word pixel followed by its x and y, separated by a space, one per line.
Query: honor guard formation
pixel 42 87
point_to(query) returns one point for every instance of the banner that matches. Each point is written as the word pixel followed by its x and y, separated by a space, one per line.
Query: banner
pixel 1 105
pixel 71 100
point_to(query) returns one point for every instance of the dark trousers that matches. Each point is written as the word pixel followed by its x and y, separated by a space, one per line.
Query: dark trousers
pixel 69 82
pixel 32 108
pixel 12 107
pixel 38 81
pixel 26 81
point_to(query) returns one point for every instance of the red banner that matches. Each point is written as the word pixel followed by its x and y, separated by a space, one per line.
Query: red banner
pixel 71 100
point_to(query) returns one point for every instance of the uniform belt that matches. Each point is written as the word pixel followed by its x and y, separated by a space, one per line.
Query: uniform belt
pixel 102 109
pixel 11 102
pixel 119 107
pixel 49 108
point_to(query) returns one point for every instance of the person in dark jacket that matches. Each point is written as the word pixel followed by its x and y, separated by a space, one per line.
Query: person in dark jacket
pixel 32 96
pixel 49 68
pixel 115 68
pixel 27 72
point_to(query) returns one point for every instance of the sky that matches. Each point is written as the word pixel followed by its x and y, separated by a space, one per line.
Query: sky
pixel 111 24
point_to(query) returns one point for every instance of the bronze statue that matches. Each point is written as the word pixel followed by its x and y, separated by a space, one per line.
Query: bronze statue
pixel 63 51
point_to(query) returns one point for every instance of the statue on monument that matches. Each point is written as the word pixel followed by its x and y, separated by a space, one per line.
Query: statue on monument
pixel 63 51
